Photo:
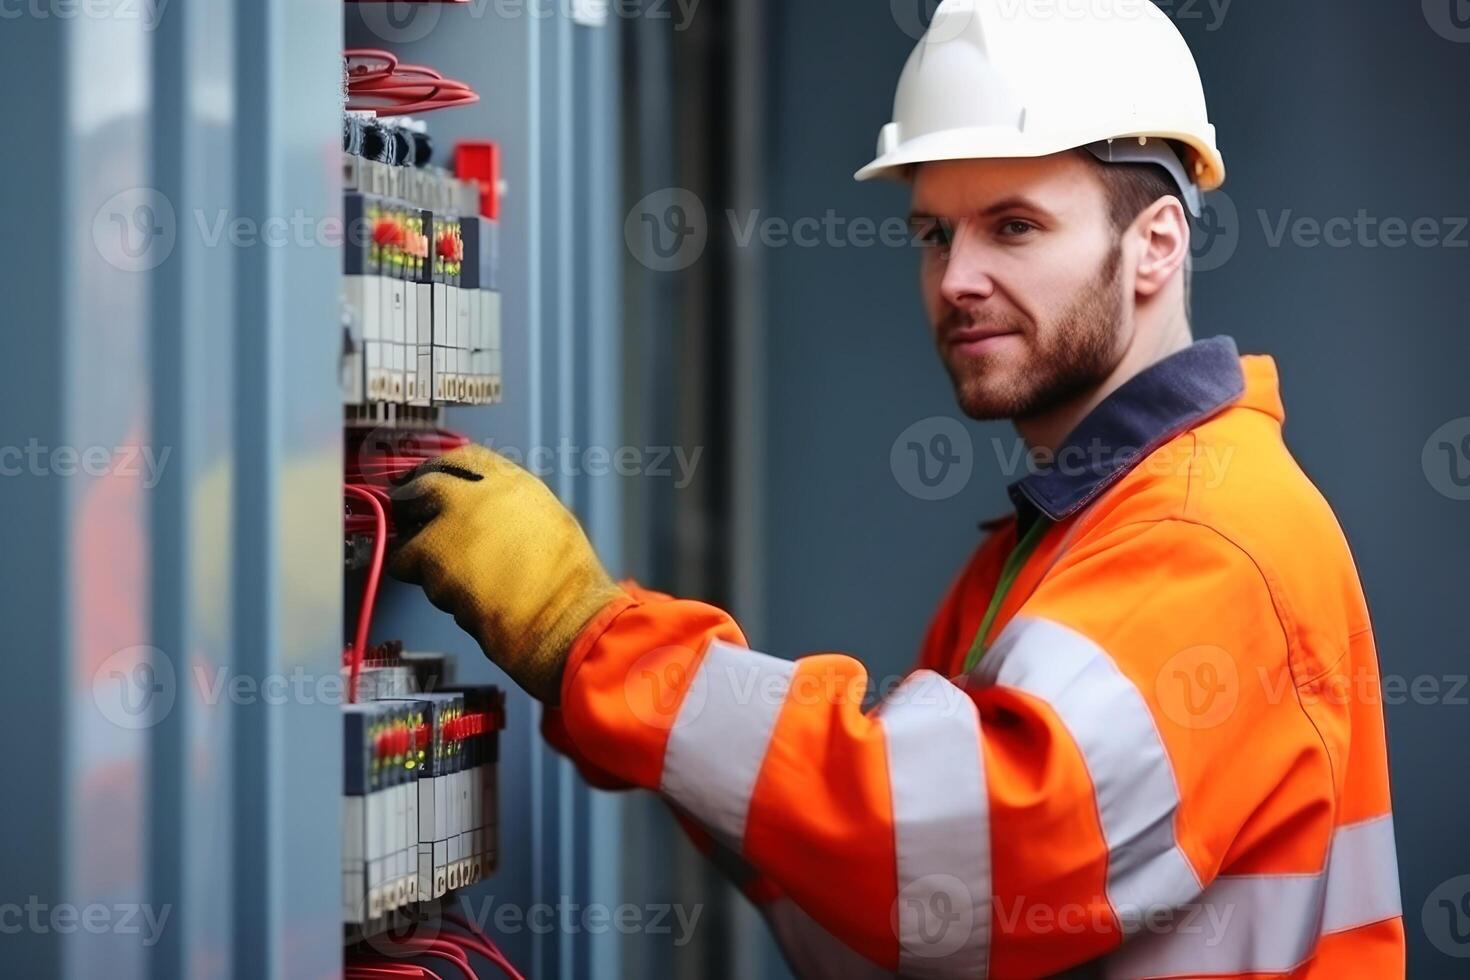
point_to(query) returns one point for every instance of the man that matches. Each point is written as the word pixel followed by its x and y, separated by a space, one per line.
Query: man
pixel 1143 739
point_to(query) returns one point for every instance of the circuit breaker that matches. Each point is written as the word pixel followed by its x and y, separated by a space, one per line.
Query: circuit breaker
pixel 421 296
pixel 419 798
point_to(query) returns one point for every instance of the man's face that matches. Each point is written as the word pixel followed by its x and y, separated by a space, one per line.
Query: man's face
pixel 1022 280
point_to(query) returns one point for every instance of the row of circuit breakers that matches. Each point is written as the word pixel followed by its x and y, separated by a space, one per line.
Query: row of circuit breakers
pixel 421 289
pixel 422 328
pixel 419 798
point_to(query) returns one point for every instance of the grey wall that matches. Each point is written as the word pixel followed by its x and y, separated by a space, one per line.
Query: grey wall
pixel 133 330
pixel 1323 109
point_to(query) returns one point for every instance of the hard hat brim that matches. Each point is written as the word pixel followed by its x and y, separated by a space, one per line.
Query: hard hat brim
pixel 995 143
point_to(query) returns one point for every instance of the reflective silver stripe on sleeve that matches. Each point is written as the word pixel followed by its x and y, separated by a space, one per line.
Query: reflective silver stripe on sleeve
pixel 1271 923
pixel 941 827
pixel 719 737
pixel 812 952
pixel 1132 777
pixel 1362 876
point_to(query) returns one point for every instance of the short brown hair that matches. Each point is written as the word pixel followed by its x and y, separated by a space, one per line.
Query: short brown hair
pixel 1131 187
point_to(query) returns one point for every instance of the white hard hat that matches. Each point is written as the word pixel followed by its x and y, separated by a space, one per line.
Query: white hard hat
pixel 1028 78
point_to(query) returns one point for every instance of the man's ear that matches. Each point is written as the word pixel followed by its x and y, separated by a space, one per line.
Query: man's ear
pixel 1162 230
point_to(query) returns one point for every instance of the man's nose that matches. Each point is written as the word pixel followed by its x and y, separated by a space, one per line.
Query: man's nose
pixel 967 275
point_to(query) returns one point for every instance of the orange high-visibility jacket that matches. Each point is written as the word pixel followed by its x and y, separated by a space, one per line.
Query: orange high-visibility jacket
pixel 1169 761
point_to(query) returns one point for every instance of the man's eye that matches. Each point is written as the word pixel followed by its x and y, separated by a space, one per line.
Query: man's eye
pixel 1015 227
pixel 933 232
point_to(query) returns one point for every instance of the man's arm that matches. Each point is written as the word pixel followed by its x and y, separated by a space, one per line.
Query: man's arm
pixel 1027 817
pixel 1021 821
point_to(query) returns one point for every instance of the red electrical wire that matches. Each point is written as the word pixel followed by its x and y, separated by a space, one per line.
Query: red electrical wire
pixel 367 472
pixel 386 969
pixel 369 63
pixel 491 953
pixel 463 963
pixel 439 949
pixel 369 969
pixel 365 523
pixel 375 465
pixel 377 81
pixel 370 589
pixel 487 949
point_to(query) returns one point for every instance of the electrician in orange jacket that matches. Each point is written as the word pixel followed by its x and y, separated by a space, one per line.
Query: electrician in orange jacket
pixel 1142 735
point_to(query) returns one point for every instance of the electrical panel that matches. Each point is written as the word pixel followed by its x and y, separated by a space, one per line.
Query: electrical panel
pixel 421 290
pixel 421 332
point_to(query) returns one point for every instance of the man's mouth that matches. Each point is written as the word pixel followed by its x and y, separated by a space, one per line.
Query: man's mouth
pixel 973 340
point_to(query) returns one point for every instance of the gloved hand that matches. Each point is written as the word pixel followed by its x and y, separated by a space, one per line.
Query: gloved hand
pixel 492 545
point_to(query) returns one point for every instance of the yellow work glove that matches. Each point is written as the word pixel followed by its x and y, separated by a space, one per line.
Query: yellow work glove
pixel 492 545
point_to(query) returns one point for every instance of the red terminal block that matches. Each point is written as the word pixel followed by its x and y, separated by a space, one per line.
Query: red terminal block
pixel 385 231
pixel 466 726
pixel 445 246
pixel 479 160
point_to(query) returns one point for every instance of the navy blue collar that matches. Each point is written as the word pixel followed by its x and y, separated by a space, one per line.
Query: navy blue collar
pixel 1151 408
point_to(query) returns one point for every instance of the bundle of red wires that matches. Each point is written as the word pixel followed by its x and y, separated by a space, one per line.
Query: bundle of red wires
pixel 377 81
pixel 375 457
pixel 452 947
pixel 373 462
